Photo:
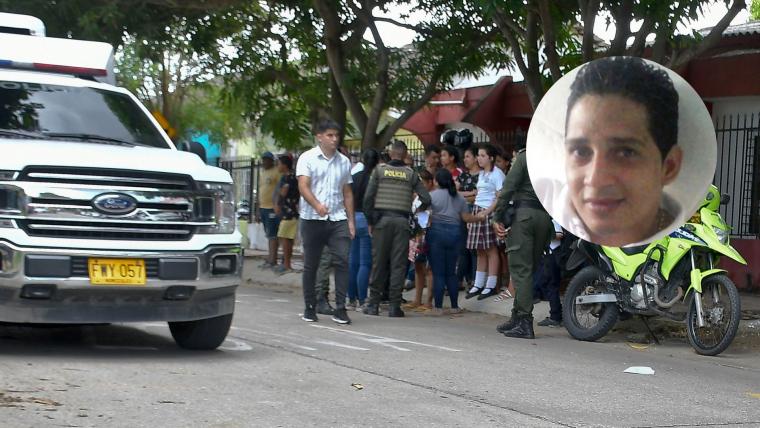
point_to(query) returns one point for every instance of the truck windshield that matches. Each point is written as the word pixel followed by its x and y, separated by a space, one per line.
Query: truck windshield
pixel 54 112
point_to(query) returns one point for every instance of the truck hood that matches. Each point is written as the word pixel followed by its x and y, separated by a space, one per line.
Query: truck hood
pixel 15 154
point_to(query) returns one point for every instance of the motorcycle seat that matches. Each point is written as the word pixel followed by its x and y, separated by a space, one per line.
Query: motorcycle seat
pixel 636 249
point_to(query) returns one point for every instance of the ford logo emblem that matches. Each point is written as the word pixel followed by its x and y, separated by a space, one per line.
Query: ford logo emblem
pixel 114 203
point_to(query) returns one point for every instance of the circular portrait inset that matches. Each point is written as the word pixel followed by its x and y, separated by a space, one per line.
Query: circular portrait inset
pixel 621 151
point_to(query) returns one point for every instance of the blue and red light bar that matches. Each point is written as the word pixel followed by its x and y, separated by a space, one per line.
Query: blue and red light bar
pixel 54 55
pixel 54 68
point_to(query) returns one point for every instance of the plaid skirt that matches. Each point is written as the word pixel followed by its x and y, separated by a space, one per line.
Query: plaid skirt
pixel 480 236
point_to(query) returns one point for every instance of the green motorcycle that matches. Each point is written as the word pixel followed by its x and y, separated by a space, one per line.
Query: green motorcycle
pixel 649 280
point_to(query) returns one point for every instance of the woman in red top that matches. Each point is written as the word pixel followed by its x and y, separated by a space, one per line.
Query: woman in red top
pixel 450 160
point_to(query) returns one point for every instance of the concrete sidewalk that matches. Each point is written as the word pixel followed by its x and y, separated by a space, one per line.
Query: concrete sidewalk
pixel 748 328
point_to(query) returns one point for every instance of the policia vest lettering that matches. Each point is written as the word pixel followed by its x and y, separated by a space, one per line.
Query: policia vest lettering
pixel 394 188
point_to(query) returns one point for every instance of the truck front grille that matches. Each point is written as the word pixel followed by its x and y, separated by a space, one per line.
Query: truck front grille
pixel 106 177
pixel 107 230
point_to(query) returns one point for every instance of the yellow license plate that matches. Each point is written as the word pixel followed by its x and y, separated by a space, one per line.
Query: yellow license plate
pixel 116 271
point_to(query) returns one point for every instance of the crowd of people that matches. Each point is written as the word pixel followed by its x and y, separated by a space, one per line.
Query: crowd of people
pixel 388 226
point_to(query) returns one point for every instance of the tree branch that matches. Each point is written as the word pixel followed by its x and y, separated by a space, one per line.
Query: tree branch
pixel 589 10
pixel 711 39
pixel 381 76
pixel 415 28
pixel 639 42
pixel 506 26
pixel 332 33
pixel 550 41
pixel 623 16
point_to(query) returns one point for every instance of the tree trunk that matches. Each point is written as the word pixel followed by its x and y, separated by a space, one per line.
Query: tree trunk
pixel 589 9
pixel 337 106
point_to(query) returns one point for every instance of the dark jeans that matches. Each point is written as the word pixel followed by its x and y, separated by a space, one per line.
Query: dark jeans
pixel 316 235
pixel 445 247
pixel 547 279
pixel 360 261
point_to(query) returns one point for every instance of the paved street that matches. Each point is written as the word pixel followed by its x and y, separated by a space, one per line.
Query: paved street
pixel 276 370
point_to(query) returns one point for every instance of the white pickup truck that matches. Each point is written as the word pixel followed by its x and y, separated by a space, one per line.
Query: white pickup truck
pixel 102 219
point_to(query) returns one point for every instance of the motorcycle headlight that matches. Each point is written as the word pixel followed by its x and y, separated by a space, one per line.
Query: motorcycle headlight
pixel 224 208
pixel 722 235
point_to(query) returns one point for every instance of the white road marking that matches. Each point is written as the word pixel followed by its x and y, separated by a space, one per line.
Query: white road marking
pixel 384 341
pixel 237 345
pixel 341 345
pixel 305 348
pixel 292 336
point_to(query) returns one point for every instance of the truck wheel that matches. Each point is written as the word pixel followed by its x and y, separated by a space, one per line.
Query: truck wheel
pixel 202 334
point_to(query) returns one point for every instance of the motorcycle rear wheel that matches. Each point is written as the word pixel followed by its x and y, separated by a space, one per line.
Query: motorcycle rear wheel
pixel 722 312
pixel 588 322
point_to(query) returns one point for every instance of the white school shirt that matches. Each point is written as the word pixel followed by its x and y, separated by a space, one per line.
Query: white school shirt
pixel 328 177
pixel 488 184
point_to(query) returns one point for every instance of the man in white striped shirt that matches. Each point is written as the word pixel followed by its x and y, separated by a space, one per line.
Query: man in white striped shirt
pixel 327 216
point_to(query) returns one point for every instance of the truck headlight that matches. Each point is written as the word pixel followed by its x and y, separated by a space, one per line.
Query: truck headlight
pixel 224 208
pixel 722 235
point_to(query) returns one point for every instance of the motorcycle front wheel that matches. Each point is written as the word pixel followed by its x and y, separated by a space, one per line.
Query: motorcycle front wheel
pixel 722 312
pixel 588 322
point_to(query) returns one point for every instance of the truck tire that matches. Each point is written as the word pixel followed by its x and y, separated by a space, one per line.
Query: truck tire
pixel 205 334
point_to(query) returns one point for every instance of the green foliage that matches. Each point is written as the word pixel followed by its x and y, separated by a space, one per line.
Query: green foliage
pixel 206 111
pixel 174 75
pixel 754 10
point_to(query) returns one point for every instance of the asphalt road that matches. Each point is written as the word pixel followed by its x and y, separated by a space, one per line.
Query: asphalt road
pixel 276 370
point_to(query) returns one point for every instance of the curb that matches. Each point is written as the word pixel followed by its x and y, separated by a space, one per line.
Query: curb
pixel 661 326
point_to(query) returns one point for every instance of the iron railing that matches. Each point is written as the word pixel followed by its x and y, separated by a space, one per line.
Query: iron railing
pixel 736 173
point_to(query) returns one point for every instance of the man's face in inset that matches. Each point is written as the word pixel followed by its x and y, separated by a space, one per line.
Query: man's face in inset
pixel 615 171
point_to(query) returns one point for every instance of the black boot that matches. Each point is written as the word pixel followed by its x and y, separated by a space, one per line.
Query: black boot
pixel 371 309
pixel 523 329
pixel 395 312
pixel 508 325
pixel 323 306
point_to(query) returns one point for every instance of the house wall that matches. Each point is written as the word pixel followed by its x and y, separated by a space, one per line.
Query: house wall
pixel 744 276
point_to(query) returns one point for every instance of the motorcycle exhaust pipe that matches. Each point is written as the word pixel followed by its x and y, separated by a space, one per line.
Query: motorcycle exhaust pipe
pixel 662 303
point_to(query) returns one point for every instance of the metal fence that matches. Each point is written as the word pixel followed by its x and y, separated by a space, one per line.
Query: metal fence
pixel 245 177
pixel 737 172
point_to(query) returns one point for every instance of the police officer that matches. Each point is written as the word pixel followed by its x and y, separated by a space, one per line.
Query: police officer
pixel 527 236
pixel 387 205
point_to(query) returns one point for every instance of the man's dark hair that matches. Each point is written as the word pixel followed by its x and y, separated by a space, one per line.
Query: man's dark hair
pixel 432 148
pixel 453 152
pixel 398 148
pixel 639 81
pixel 287 161
pixel 324 124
